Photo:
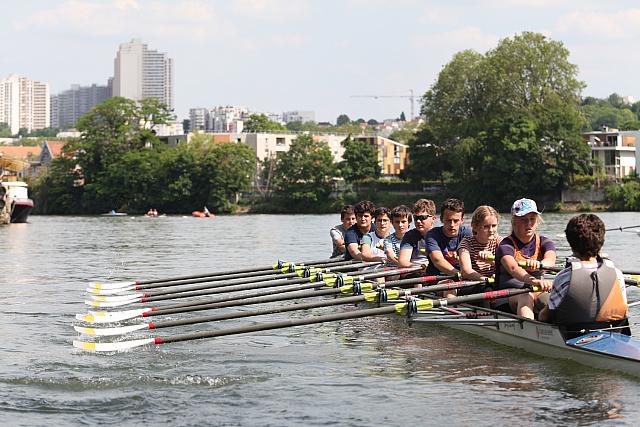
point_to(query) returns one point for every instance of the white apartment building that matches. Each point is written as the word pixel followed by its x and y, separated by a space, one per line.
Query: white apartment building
pixel 268 145
pixel 140 73
pixel 24 103
pixel 615 149
pixel 228 118
pixel 199 119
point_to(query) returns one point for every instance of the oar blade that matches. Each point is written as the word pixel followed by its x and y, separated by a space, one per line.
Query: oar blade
pixel 112 298
pixel 95 291
pixel 112 285
pixel 111 317
pixel 102 304
pixel 104 332
pixel 111 346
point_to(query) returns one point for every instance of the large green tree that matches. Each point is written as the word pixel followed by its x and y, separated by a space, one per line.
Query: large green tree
pixel 360 161
pixel 481 104
pixel 304 175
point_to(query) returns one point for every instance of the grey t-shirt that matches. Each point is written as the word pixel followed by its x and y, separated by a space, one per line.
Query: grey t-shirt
pixel 337 232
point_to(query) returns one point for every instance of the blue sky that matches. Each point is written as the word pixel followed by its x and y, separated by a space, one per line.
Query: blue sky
pixel 279 55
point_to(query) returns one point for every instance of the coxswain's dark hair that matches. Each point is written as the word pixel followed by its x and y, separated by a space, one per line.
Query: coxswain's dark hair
pixel 585 234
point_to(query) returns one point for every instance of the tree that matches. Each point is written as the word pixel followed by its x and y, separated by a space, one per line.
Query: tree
pixel 427 158
pixel 360 161
pixel 342 119
pixel 372 122
pixel 526 82
pixel 261 123
pixel 403 118
pixel 304 174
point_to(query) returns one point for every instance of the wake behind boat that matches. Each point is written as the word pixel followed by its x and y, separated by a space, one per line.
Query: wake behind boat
pixel 114 213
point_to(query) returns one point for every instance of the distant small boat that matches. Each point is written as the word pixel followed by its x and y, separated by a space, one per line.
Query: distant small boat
pixel 201 214
pixel 114 213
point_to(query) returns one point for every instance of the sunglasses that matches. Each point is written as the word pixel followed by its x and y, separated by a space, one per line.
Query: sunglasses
pixel 423 217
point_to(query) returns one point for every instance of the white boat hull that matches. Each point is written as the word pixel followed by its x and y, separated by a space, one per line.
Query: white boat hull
pixel 542 339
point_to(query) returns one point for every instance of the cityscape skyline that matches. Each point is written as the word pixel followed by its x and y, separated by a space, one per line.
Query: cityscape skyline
pixel 275 56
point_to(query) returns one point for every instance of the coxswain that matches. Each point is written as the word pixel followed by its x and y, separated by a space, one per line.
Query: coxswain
pixel 590 294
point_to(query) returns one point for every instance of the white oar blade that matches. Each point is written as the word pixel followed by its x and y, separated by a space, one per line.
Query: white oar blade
pixel 104 332
pixel 111 298
pixel 95 291
pixel 111 317
pixel 112 346
pixel 110 304
pixel 112 285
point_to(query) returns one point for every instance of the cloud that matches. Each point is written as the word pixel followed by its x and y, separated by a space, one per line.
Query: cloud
pixel 272 10
pixel 623 24
pixel 186 19
pixel 464 38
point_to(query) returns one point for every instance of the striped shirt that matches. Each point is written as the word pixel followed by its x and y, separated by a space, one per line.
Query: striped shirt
pixel 392 242
pixel 471 245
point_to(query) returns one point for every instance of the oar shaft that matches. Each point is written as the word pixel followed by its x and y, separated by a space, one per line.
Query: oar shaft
pixel 237 271
pixel 347 315
pixel 304 306
pixel 281 279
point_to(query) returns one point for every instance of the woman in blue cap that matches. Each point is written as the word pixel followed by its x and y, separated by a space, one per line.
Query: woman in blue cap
pixel 520 255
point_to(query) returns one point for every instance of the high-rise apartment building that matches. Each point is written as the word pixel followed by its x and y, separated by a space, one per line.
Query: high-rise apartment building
pixel 24 103
pixel 140 73
pixel 69 105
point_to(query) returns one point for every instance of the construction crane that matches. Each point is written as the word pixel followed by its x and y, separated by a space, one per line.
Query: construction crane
pixel 410 96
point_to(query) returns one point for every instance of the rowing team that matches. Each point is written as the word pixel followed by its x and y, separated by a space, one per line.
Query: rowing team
pixel 589 294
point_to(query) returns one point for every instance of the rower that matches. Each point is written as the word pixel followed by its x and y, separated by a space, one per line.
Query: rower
pixel 401 219
pixel 524 245
pixel 412 245
pixel 372 242
pixel 443 242
pixel 590 293
pixel 477 251
pixel 348 218
pixel 353 237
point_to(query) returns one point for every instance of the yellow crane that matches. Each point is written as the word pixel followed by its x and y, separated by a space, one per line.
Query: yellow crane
pixel 411 97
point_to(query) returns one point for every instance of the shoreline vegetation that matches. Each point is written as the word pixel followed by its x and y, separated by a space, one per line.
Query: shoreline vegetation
pixel 494 127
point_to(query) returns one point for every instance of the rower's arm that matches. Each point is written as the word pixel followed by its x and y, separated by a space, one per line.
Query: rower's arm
pixel 549 258
pixel 354 251
pixel 391 255
pixel 511 265
pixel 437 259
pixel 465 266
pixel 404 259
pixel 367 255
pixel 338 239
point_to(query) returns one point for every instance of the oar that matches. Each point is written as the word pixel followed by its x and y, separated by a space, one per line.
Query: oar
pixel 329 279
pixel 371 294
pixel 298 271
pixel 404 308
pixel 232 274
pixel 356 289
pixel 629 281
pixel 622 228
pixel 298 291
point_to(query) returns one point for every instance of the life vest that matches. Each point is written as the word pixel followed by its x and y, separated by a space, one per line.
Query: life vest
pixel 594 299
pixel 518 256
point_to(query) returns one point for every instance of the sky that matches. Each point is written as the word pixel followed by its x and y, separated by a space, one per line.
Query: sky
pixel 283 55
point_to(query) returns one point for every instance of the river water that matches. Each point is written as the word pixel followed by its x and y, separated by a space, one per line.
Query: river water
pixel 361 372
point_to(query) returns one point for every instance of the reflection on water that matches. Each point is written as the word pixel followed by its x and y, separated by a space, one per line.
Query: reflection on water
pixel 359 372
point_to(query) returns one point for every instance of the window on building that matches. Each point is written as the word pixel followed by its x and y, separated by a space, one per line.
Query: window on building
pixel 609 158
pixel 280 141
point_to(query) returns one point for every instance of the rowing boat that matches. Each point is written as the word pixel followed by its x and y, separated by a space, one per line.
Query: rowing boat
pixel 598 349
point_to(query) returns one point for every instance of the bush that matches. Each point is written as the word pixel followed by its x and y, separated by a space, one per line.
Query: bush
pixel 624 196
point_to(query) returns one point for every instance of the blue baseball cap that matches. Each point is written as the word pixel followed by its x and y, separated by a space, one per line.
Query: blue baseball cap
pixel 521 207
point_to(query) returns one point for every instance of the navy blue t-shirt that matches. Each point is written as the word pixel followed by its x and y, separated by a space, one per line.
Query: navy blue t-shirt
pixel 437 241
pixel 354 235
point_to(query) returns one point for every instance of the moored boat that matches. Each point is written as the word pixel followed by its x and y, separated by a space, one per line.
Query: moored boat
pixel 14 198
